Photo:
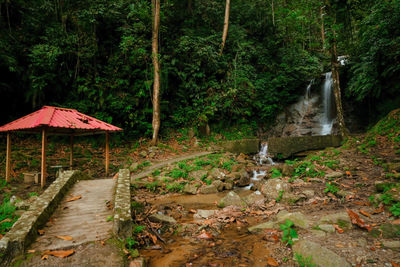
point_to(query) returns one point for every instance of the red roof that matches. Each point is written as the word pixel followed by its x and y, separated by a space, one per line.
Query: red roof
pixel 59 120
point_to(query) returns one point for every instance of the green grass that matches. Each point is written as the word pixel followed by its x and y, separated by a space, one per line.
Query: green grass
pixel 7 211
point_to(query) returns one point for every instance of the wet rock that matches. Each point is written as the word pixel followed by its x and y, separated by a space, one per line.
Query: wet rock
pixel 190 189
pixel 340 218
pixel 217 174
pixel 390 230
pixel 298 218
pixel 333 175
pixel 133 166
pixel 231 199
pixel 260 227
pixel 208 189
pixel 197 175
pixel 254 199
pixel 272 187
pixel 162 218
pixel 327 228
pixel 244 178
pixel 287 170
pixel 218 184
pixel 204 214
pixel 309 193
pixel 319 255
pixel 393 244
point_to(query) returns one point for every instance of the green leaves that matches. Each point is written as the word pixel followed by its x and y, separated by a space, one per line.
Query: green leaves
pixel 288 233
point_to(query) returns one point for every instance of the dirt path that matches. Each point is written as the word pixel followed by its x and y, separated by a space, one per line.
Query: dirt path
pixel 154 167
pixel 83 220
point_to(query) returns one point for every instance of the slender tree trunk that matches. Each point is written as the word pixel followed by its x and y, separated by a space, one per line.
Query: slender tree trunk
pixel 226 25
pixel 156 66
pixel 273 12
pixel 321 12
pixel 336 86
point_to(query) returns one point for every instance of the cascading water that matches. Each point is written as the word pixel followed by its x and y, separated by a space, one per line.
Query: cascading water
pixel 262 157
pixel 327 118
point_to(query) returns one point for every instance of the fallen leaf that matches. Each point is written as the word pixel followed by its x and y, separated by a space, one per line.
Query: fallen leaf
pixel 153 238
pixel 126 251
pixel 5 220
pixel 1 236
pixel 339 246
pixel 192 211
pixel 205 235
pixel 116 175
pixel 395 264
pixel 102 243
pixel 338 229
pixel 362 203
pixel 45 257
pixel 272 262
pixel 372 248
pixel 365 213
pixel 396 221
pixel 74 198
pixel 355 219
pixel 64 237
pixel 31 251
pixel 41 232
pixel 59 253
pixel 348 173
pixel 381 209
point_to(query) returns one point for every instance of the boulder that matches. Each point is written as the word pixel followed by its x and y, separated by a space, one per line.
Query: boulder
pixel 340 218
pixel 161 218
pixel 190 189
pixel 272 187
pixel 228 185
pixel 197 175
pixel 218 184
pixel 244 179
pixel 308 193
pixel 254 199
pixel 319 255
pixel 217 174
pixel 298 218
pixel 231 199
pixel 208 189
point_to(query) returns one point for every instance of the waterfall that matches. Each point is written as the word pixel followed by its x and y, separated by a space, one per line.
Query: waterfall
pixel 326 119
pixel 262 157
pixel 308 91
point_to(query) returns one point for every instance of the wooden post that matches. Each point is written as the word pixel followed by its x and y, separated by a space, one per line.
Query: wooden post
pixel 8 157
pixel 43 168
pixel 71 148
pixel 107 152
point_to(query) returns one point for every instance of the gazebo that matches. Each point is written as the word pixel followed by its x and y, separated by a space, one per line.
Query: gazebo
pixel 57 121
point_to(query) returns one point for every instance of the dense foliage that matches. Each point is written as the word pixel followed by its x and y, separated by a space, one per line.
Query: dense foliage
pixel 96 56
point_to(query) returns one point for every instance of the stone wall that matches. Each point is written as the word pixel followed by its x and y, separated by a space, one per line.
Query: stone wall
pixel 122 224
pixel 24 231
pixel 287 146
pixel 246 146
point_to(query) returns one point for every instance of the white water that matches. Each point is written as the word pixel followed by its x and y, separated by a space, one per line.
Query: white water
pixel 326 119
pixel 262 157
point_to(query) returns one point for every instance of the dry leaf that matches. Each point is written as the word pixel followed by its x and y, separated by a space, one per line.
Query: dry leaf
pixel 64 237
pixel 365 213
pixel 348 173
pixel 126 251
pixel 116 175
pixel 6 220
pixel 272 262
pixel 339 246
pixel 205 235
pixel 31 251
pixel 102 243
pixel 338 229
pixel 59 253
pixel 45 257
pixel 192 211
pixel 41 232
pixel 396 221
pixel 381 209
pixel 153 238
pixel 395 264
pixel 355 219
pixel 74 198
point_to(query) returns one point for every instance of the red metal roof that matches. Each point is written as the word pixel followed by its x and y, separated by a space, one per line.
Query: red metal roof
pixel 59 120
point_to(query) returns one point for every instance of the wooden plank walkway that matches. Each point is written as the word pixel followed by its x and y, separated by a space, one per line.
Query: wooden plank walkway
pixel 84 220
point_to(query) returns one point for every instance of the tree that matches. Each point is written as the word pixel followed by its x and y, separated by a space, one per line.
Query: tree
pixel 156 66
pixel 226 25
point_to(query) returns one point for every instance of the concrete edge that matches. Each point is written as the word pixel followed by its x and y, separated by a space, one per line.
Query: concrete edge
pixel 122 223
pixel 24 231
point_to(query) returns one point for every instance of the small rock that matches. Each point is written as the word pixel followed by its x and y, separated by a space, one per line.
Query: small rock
pixel 231 199
pixel 198 175
pixel 190 189
pixel 392 244
pixel 390 230
pixel 143 153
pixel 272 187
pixel 204 214
pixel 237 167
pixel 309 193
pixel 244 178
pixel 266 225
pixel 341 218
pixel 254 199
pixel 138 262
pixel 217 174
pixel 327 228
pixel 162 218
pixel 317 233
pixel 228 185
pixel 298 218
pixel 218 184
pixel 362 242
pixel 333 175
pixel 319 255
pixel 208 189
pixel 290 198
pixel 342 193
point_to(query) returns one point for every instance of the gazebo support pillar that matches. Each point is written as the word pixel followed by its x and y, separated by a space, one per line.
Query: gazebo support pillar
pixel 71 148
pixel 43 168
pixel 107 152
pixel 8 157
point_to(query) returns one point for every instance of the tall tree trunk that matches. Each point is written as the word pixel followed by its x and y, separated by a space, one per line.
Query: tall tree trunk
pixel 336 86
pixel 156 66
pixel 321 12
pixel 273 12
pixel 226 25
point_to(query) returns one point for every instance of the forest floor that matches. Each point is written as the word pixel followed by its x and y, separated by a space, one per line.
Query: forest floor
pixel 338 206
